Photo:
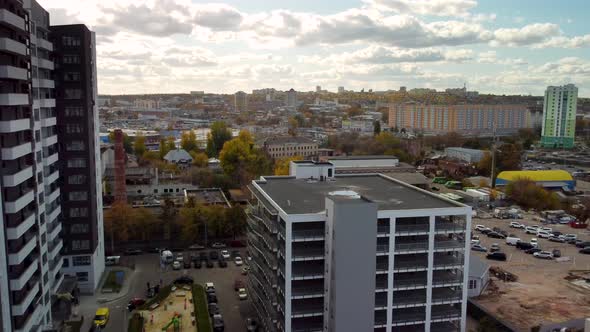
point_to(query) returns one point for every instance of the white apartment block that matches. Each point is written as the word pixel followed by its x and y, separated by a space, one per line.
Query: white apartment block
pixel 356 253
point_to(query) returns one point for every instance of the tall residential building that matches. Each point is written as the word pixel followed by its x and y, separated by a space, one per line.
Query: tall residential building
pixel 559 116
pixel 464 119
pixel 353 253
pixel 78 135
pixel 241 101
pixel 318 88
pixel 30 195
pixel 341 89
pixel 292 98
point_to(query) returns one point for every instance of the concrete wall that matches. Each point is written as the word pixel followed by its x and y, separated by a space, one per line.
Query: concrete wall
pixel 309 170
pixel 350 269
pixel 350 163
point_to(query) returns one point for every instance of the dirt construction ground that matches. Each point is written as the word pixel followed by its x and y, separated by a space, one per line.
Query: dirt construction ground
pixel 541 294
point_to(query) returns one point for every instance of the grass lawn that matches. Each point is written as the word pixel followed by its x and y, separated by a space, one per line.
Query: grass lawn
pixel 202 313
pixel 164 292
pixel 111 281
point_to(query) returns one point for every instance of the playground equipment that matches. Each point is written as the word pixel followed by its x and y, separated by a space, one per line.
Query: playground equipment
pixel 176 322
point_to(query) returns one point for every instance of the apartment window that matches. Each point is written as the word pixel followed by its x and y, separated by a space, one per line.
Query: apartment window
pixel 73 93
pixel 66 263
pixel 75 145
pixel 80 260
pixel 73 128
pixel 73 111
pixel 72 76
pixel 76 163
pixel 80 245
pixel 78 212
pixel 71 59
pixel 472 284
pixel 82 276
pixel 77 179
pixel 78 195
pixel 70 41
pixel 79 228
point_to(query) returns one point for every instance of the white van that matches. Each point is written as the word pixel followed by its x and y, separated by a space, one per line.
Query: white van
pixel 511 241
pixel 112 260
pixel 167 257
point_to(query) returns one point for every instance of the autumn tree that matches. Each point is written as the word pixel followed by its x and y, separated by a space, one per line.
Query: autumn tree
pixel 168 217
pixel 192 221
pixel 527 194
pixel 146 224
pixel 188 141
pixel 282 165
pixel 508 157
pixel 117 221
pixel 218 135
pixel 236 220
pixel 376 128
pixel 139 145
pixel 200 159
pixel 242 161
pixel 484 165
pixel 166 145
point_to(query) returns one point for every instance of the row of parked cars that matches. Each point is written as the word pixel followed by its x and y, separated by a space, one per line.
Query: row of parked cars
pixel 215 311
pixel 554 236
pixel 208 259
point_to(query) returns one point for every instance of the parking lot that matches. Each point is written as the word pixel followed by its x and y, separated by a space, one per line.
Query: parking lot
pixel 541 293
pixel 148 269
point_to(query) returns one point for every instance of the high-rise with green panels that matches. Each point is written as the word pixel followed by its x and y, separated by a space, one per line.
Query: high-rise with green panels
pixel 559 116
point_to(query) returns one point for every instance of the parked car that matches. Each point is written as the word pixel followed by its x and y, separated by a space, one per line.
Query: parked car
pixel 546 229
pixel 213 309
pixel 235 253
pixel 556 233
pixel 134 303
pixel 556 253
pixel 480 227
pixel 535 242
pixel 251 325
pixel 570 238
pixel 524 245
pixel 582 244
pixel 187 264
pixel 222 263
pixel 512 241
pixel 532 250
pixel 531 230
pixel 238 283
pixel 213 254
pixel 209 264
pixel 543 255
pixel 133 252
pixel 101 317
pixel 238 261
pixel 203 256
pixel 543 234
pixel 494 247
pixel 176 265
pixel 218 325
pixel 197 264
pixel 585 251
pixel 184 280
pixel 218 245
pixel 211 298
pixel 486 231
pixel 496 235
pixel 242 295
pixel 225 254
pixel 556 239
pixel 237 244
pixel 196 246
pixel 515 224
pixel 498 256
pixel 209 287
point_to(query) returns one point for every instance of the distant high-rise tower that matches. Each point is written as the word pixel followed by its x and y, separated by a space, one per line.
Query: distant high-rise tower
pixel 559 116
pixel 241 101
pixel 340 89
pixel 318 88
pixel 292 98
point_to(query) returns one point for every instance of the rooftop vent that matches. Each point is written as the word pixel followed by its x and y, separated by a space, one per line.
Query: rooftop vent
pixel 345 193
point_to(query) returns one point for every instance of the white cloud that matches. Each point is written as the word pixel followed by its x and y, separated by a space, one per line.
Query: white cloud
pixel 527 35
pixel 426 7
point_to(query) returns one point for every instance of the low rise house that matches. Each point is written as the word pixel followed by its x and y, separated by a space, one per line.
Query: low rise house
pixel 179 157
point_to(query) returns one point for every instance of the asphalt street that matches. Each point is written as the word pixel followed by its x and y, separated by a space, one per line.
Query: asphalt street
pixel 147 269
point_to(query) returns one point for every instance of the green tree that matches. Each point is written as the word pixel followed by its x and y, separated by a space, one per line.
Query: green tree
pixel 166 145
pixel 146 225
pixel 188 141
pixel 151 156
pixel 236 220
pixel 218 135
pixel 192 221
pixel 376 128
pixel 241 161
pixel 200 159
pixel 139 145
pixel 168 217
pixel 127 141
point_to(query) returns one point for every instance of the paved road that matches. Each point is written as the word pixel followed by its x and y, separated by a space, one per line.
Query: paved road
pixel 147 269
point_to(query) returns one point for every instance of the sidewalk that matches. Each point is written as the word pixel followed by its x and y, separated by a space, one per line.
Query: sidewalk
pixel 110 297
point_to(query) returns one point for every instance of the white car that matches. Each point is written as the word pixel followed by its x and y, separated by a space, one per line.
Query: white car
pixel 176 265
pixel 225 254
pixel 242 295
pixel 543 234
pixel 515 224
pixel 209 287
pixel 543 254
pixel 480 227
pixel 535 242
pixel 570 237
pixel 546 229
pixel 531 230
pixel 238 261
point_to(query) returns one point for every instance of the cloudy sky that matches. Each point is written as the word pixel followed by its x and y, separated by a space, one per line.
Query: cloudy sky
pixel 494 46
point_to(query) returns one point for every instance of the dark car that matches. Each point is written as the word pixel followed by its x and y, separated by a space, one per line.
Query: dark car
pixel 151 292
pixel 556 253
pixel 251 325
pixel 134 303
pixel 582 244
pixel 218 325
pixel 486 231
pixel 524 245
pixel 585 251
pixel 197 264
pixel 532 250
pixel 211 297
pixel 184 280
pixel 209 264
pixel 194 258
pixel 496 235
pixel 133 252
pixel 213 255
pixel 556 233
pixel 238 284
pixel 187 264
pixel 213 309
pixel 237 244
pixel 222 263
pixel 497 256
pixel 203 256
pixel 556 239
pixel 235 253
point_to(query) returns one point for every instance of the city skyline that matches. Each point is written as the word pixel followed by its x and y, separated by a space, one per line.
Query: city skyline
pixel 176 46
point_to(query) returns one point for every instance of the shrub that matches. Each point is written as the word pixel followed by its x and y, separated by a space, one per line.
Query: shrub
pixel 201 310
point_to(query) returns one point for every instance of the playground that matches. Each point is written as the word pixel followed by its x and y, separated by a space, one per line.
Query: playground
pixel 174 314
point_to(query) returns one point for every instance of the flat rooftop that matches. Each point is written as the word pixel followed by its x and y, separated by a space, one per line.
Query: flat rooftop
pixel 299 196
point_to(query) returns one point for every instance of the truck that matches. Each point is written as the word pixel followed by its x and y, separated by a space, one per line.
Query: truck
pixel 166 256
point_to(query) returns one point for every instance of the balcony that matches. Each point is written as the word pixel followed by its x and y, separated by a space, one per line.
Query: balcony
pixel 444 313
pixel 47 141
pixel 55 265
pixel 409 283
pixel 51 159
pixel 446 279
pixel 417 229
pixel 14 99
pixel 45 44
pixel 444 327
pixel 54 232
pixel 382 249
pixel 413 247
pixel 13 233
pixel 9 18
pixel 307 289
pixel 311 324
pixel 54 248
pixel 446 296
pixel 13 180
pixel 54 214
pixel 21 307
pixel 44 63
pixel 19 282
pixel 307 308
pixel 302 254
pixel 449 227
pixel 12 46
pixel 19 203
pixel 13 73
pixel 307 270
pixel 302 235
pixel 51 178
pixel 48 122
pixel 32 319
pixel 46 102
pixel 409 299
pixel 17 151
pixel 52 196
pixel 18 257
pixel 449 245
pixel 57 280
pixel 12 126
pixel 43 83
pixel 408 317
